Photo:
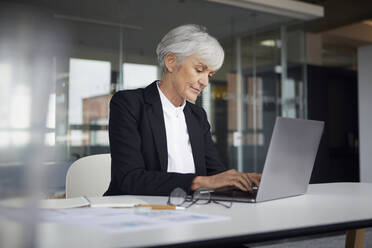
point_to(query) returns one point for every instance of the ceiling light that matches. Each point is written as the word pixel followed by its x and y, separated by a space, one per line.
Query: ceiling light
pixel 271 43
pixel 268 43
pixel 289 8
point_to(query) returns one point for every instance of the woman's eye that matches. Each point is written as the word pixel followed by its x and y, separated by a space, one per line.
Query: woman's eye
pixel 198 70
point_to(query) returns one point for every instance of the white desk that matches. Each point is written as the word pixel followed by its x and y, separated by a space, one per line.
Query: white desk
pixel 325 208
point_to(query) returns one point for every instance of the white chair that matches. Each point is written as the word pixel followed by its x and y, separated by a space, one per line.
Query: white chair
pixel 89 176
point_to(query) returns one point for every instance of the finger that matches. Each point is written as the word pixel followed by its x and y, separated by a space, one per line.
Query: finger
pixel 258 176
pixel 247 180
pixel 239 185
pixel 254 178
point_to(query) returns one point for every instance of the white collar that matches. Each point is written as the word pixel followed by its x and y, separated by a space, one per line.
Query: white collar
pixel 167 105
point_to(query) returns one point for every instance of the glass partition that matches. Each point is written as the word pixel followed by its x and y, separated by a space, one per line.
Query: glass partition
pixel 102 49
pixel 61 62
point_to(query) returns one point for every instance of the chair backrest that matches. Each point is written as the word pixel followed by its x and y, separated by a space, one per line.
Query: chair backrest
pixel 89 176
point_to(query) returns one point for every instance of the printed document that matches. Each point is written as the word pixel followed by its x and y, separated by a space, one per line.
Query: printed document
pixel 127 220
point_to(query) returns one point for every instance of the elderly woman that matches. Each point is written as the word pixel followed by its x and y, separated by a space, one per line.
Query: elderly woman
pixel 159 140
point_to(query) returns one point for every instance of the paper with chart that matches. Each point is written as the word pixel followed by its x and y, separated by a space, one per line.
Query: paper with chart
pixel 127 220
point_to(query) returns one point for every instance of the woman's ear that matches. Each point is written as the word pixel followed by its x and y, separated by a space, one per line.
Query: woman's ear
pixel 170 62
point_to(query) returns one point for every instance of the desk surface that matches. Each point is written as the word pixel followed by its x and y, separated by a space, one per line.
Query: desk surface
pixel 324 208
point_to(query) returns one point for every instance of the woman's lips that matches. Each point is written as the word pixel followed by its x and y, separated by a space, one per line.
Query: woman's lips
pixel 197 91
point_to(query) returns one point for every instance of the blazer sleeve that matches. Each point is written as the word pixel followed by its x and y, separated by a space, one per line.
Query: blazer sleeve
pixel 129 173
pixel 213 162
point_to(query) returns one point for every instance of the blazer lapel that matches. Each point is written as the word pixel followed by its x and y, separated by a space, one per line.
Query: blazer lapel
pixel 156 117
pixel 196 140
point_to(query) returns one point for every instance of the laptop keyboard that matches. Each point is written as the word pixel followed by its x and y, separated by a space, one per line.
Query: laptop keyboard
pixel 235 195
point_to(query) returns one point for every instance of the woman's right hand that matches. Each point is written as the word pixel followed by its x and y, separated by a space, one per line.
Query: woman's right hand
pixel 227 179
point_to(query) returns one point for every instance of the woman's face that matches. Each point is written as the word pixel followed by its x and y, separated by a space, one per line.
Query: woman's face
pixel 190 78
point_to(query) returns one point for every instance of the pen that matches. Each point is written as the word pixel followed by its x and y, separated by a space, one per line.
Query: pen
pixel 161 207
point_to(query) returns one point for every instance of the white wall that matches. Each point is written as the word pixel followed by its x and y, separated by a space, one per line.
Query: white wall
pixel 365 112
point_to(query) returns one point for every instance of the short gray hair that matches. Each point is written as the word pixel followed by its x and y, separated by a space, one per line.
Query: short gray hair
pixel 188 40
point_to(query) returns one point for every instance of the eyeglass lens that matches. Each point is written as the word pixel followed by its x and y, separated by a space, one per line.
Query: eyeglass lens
pixel 201 196
pixel 177 197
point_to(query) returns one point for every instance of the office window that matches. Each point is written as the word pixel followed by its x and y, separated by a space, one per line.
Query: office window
pixel 89 82
pixel 139 75
pixel 88 78
pixel 289 98
pixel 5 82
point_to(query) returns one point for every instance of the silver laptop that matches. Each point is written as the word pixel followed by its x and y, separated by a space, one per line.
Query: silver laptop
pixel 289 162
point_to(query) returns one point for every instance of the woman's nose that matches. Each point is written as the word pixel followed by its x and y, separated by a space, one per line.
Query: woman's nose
pixel 203 80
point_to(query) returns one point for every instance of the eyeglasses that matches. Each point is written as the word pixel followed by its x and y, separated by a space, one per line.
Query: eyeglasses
pixel 200 196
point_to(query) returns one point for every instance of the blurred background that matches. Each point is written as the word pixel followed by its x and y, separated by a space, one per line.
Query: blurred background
pixel 61 61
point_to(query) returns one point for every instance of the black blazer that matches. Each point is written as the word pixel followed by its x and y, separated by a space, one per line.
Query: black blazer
pixel 138 145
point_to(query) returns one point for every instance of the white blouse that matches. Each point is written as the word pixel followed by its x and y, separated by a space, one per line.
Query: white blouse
pixel 180 157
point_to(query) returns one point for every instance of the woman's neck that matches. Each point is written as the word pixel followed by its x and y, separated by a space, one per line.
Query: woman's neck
pixel 166 86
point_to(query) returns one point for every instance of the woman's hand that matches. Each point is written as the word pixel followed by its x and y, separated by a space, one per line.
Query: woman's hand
pixel 227 179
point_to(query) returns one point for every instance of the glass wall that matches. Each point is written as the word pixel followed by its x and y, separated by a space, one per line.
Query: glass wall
pixel 271 83
pixel 91 50
pixel 61 62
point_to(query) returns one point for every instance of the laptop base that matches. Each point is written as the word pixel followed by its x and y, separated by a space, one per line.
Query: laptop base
pixel 234 196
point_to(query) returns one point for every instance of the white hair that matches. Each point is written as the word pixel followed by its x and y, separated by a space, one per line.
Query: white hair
pixel 188 40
